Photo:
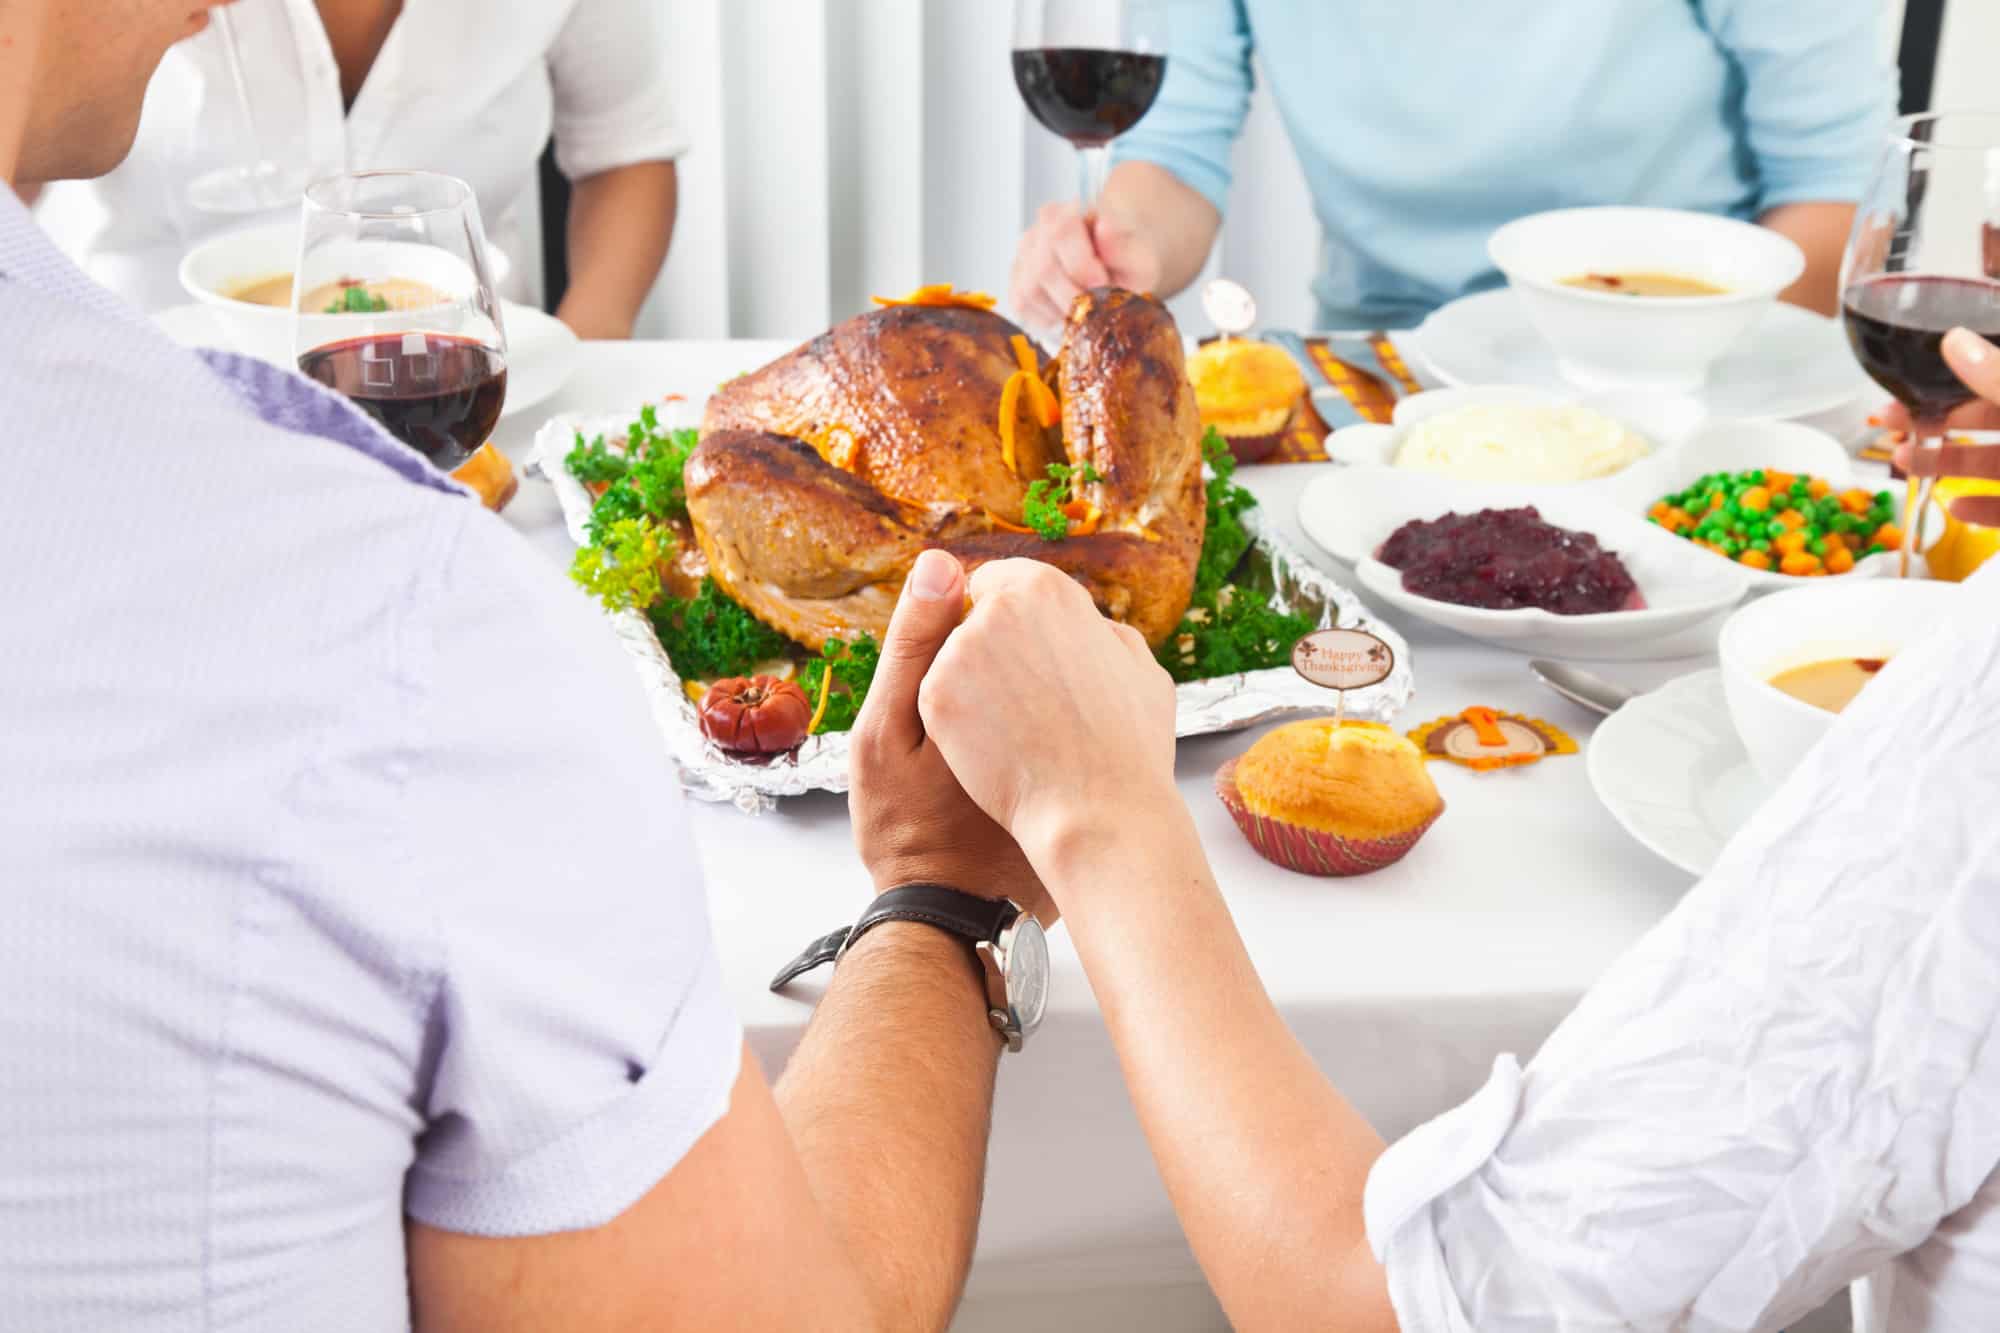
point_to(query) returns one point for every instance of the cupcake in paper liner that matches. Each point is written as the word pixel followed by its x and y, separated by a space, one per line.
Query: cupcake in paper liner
pixel 1328 798
pixel 1249 391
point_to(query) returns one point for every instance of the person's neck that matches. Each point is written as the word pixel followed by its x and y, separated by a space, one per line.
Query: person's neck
pixel 20 47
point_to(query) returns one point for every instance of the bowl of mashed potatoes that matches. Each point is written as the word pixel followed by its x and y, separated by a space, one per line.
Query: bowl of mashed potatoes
pixel 1511 437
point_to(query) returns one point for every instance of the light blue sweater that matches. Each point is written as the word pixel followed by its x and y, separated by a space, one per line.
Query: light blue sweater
pixel 1424 124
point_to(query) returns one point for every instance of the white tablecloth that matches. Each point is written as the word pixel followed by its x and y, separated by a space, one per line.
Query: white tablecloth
pixel 1404 984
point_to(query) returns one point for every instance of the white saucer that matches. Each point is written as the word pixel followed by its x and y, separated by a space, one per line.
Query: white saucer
pixel 541 350
pixel 1670 769
pixel 1793 363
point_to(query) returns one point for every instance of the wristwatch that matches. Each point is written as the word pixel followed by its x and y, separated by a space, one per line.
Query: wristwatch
pixel 1010 945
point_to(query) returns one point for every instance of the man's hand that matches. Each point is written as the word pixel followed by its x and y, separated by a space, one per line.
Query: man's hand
pixel 912 821
pixel 1089 744
pixel 1065 253
pixel 1976 362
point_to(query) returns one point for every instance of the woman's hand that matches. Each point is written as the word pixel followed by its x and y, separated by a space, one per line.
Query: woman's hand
pixel 912 821
pixel 1977 363
pixel 1054 719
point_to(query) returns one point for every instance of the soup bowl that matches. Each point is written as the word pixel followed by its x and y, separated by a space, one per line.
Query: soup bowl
pixel 1878 618
pixel 1604 340
pixel 218 268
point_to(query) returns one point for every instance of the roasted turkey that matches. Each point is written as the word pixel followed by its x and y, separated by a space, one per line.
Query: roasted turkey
pixel 821 476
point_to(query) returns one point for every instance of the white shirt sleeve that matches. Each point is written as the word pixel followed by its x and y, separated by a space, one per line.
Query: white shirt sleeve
pixel 1791 1080
pixel 613 88
pixel 580 1037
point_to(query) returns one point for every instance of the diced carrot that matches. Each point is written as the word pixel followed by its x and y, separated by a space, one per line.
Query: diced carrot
pixel 1789 543
pixel 1890 536
pixel 1779 481
pixel 1676 519
pixel 1839 560
pixel 1659 509
pixel 1714 502
pixel 1817 488
pixel 1856 502
pixel 1792 518
pixel 1755 559
pixel 1757 499
pixel 1799 563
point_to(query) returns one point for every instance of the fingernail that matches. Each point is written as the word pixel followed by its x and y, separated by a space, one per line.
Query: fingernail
pixel 1967 346
pixel 933 576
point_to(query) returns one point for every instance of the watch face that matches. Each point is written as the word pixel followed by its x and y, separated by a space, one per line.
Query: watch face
pixel 1027 972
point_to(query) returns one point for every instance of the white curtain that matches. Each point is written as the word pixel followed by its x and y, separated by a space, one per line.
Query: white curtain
pixel 844 148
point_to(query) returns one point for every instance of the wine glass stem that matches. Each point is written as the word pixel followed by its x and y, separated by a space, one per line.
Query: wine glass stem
pixel 232 56
pixel 1093 164
pixel 1917 492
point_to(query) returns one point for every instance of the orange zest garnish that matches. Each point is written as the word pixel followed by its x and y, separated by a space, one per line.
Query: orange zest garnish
pixel 1005 526
pixel 940 294
pixel 825 696
pixel 1010 409
pixel 1083 517
pixel 1048 412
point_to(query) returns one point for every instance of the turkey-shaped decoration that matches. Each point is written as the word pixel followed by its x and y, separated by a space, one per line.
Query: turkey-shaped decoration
pixel 821 477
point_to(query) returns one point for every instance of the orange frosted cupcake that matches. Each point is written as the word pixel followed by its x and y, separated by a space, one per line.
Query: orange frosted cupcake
pixel 1326 798
pixel 1249 391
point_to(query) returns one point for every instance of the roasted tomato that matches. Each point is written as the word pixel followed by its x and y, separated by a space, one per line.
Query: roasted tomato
pixel 761 715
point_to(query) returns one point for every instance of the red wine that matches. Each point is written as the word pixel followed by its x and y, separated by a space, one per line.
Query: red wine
pixel 1896 324
pixel 1088 96
pixel 437 393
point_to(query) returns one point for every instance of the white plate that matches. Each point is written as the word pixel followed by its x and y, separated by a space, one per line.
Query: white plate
pixel 1353 511
pixel 541 350
pixel 1670 769
pixel 1792 363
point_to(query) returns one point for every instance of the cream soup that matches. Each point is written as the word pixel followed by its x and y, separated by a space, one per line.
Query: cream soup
pixel 1832 684
pixel 1644 284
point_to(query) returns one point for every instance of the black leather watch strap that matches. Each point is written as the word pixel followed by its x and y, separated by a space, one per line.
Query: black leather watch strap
pixel 970 918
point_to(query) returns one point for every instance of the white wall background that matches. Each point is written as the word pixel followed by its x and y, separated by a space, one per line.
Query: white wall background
pixel 848 147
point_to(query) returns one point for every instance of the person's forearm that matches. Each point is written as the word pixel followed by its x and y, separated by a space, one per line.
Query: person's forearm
pixel 620 224
pixel 888 1100
pixel 1819 229
pixel 1265 1161
pixel 1179 220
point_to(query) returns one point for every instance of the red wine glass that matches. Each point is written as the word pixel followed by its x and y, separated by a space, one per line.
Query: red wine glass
pixel 393 306
pixel 1089 71
pixel 1923 259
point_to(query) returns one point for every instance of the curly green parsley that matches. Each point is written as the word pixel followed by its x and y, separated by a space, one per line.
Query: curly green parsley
pixel 623 570
pixel 1042 507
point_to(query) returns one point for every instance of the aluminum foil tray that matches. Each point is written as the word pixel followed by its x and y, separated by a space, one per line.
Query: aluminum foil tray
pixel 1226 703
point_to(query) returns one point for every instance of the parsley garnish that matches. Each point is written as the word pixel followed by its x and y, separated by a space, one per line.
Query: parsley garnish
pixel 1227 628
pixel 853 667
pixel 1042 507
pixel 623 570
pixel 355 300
pixel 707 636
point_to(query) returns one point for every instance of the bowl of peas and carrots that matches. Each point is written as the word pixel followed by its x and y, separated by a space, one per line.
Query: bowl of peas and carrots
pixel 1791 524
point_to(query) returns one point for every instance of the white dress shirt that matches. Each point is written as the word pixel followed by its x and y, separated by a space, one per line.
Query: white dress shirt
pixel 1793 1082
pixel 466 87
pixel 343 876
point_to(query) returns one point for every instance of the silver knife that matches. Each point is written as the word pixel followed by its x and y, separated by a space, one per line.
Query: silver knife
pixel 1327 399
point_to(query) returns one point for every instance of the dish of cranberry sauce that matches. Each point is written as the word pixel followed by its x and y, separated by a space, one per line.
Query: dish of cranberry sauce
pixel 1507 559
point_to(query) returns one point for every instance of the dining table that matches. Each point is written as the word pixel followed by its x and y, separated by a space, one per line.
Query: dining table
pixel 1405 984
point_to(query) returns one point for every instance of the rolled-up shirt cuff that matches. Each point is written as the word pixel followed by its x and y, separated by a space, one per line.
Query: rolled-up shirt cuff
pixel 1405 1185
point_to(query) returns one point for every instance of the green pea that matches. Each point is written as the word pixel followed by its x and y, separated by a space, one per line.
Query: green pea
pixel 1760 545
pixel 1875 548
pixel 1755 476
pixel 1817 546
